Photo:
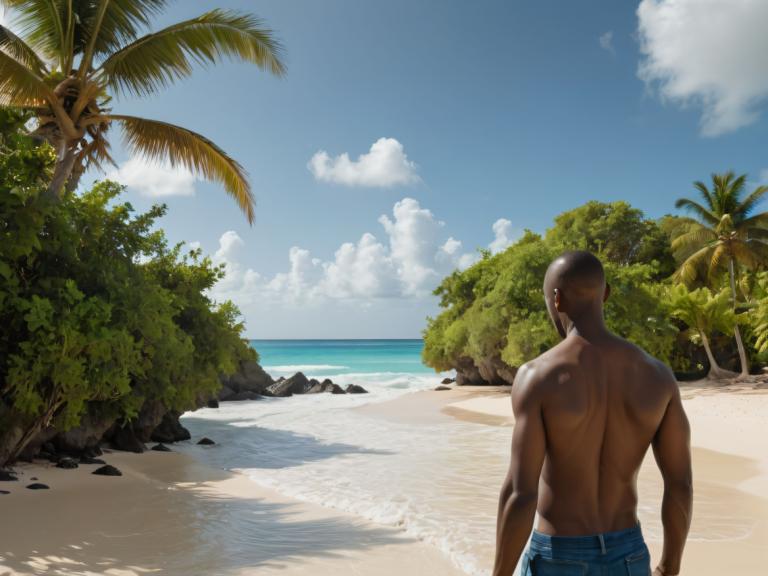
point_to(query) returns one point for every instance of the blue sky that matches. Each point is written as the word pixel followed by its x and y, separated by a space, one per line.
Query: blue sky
pixel 490 110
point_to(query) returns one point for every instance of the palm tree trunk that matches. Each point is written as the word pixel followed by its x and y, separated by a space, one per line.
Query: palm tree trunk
pixel 736 331
pixel 714 368
pixel 65 162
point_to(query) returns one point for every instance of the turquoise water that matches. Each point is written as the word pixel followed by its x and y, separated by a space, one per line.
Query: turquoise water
pixel 341 357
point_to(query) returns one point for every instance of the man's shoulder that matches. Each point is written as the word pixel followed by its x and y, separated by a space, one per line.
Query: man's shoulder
pixel 650 368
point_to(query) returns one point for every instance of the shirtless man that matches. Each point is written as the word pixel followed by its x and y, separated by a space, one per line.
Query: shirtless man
pixel 585 413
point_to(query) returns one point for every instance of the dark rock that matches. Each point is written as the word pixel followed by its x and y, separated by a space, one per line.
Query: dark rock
pixel 93 451
pixel 280 379
pixel 50 456
pixel 467 373
pixel 355 389
pixel 89 460
pixel 149 418
pixel 161 448
pixel 124 438
pixel 448 380
pixel 250 377
pixel 244 395
pixel 441 388
pixel 67 463
pixel 170 430
pixel 206 442
pixel 107 470
pixel 7 476
pixel 296 384
pixel 326 386
pixel 85 438
pixel 33 478
pixel 212 403
pixel 5 492
pixel 225 393
pixel 38 486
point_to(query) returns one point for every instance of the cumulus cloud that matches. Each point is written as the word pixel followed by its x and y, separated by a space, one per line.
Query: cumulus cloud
pixel 606 42
pixel 709 53
pixel 385 165
pixel 154 179
pixel 503 235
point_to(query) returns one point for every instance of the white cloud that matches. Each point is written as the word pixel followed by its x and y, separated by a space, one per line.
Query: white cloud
pixel 606 42
pixel 711 53
pixel 405 265
pixel 154 179
pixel 385 165
pixel 503 235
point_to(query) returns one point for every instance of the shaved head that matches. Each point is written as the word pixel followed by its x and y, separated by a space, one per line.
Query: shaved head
pixel 574 285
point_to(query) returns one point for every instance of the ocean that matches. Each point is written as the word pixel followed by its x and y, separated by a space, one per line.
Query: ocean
pixel 437 480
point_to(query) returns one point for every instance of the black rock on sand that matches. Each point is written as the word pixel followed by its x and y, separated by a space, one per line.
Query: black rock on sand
pixel 107 470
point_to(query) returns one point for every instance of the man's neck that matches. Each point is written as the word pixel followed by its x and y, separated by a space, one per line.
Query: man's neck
pixel 589 326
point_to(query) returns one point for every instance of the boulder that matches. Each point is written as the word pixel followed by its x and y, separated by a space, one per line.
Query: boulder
pixel 206 442
pixel 355 389
pixel 326 386
pixel 170 430
pixel 212 403
pixel 441 388
pixel 448 381
pixel 5 491
pixel 124 438
pixel 296 384
pixel 107 470
pixel 67 463
pixel 83 438
pixel 7 476
pixel 161 448
pixel 467 373
pixel 38 486
pixel 250 377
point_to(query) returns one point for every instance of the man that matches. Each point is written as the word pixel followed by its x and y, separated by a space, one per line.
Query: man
pixel 585 413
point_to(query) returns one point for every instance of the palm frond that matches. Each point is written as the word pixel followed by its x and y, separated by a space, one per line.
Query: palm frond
pixel 719 257
pixel 20 86
pixel 690 241
pixel 693 265
pixel 20 51
pixel 707 216
pixel 160 141
pixel 706 195
pixel 158 59
pixel 757 221
pixel 42 24
pixel 748 204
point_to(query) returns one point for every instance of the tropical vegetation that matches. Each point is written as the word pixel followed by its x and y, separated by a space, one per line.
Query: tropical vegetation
pixel 69 58
pixel 100 315
pixel 678 285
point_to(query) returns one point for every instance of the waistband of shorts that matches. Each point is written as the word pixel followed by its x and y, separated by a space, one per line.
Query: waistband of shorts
pixel 602 541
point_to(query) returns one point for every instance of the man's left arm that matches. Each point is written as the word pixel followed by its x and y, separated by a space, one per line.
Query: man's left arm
pixel 520 491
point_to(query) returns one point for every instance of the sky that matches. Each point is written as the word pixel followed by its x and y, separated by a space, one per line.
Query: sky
pixel 408 134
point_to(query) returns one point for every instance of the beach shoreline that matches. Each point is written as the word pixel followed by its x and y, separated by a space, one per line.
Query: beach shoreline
pixel 171 513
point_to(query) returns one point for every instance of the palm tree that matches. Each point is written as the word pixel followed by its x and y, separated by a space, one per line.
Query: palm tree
pixel 71 56
pixel 704 313
pixel 723 233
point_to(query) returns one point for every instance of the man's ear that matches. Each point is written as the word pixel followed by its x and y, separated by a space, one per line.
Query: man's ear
pixel 607 292
pixel 556 300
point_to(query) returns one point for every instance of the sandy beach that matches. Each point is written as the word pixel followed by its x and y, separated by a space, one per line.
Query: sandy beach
pixel 171 514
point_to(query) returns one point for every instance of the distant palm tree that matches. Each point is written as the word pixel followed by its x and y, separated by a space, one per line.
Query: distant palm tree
pixel 71 56
pixel 723 233
pixel 704 313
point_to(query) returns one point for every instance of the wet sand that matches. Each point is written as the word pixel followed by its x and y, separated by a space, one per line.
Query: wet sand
pixel 729 534
pixel 170 515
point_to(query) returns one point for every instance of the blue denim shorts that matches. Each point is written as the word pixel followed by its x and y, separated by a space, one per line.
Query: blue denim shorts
pixel 621 553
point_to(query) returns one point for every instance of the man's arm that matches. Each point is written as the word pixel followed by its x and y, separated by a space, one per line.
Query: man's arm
pixel 672 449
pixel 519 494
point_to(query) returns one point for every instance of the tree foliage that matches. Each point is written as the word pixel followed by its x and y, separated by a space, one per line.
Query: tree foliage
pixel 95 306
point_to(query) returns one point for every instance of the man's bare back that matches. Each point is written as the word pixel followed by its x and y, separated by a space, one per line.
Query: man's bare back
pixel 586 412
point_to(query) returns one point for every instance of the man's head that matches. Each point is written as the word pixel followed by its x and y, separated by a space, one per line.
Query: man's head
pixel 575 289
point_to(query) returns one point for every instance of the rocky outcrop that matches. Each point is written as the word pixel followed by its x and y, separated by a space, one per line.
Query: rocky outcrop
pixel 107 470
pixel 250 377
pixel 86 436
pixel 244 395
pixel 296 384
pixel 124 438
pixel 355 389
pixel 326 386
pixel 170 430
pixel 490 371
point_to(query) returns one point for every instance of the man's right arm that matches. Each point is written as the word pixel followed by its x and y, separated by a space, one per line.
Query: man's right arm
pixel 672 449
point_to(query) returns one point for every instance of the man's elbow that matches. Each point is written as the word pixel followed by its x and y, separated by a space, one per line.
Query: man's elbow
pixel 521 501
